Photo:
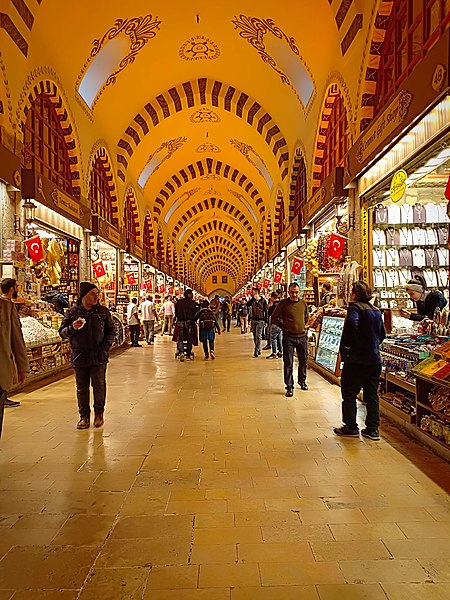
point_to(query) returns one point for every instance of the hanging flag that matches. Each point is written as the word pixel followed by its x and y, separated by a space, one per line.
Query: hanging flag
pixel 278 276
pixel 266 283
pixel 447 190
pixel 259 286
pixel 148 285
pixel 130 278
pixel 34 247
pixel 170 290
pixel 297 265
pixel 99 269
pixel 161 288
pixel 336 246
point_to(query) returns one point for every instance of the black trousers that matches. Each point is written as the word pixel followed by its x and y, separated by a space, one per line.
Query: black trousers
pixel 134 334
pixel 185 334
pixel 354 378
pixel 226 322
pixel 85 377
pixel 291 343
pixel 2 408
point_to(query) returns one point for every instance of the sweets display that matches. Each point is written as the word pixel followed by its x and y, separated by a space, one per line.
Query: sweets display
pixel 35 332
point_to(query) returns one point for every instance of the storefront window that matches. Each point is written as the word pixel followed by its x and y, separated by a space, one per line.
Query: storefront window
pixel 99 192
pixel 45 148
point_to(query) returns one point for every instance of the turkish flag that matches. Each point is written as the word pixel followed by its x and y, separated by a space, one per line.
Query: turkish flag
pixel 34 247
pixel 266 283
pixel 131 279
pixel 278 275
pixel 170 290
pixel 259 286
pixel 447 190
pixel 336 247
pixel 297 266
pixel 161 288
pixel 99 269
pixel 149 285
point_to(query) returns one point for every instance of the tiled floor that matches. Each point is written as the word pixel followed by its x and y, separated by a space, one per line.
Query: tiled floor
pixel 206 483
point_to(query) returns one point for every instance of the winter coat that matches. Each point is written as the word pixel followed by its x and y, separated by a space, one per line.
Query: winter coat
pixel 13 352
pixel 90 345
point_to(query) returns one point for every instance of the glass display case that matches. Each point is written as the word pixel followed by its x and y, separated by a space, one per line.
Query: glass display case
pixel 329 340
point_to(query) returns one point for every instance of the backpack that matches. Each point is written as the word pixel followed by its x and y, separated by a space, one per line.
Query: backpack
pixel 207 319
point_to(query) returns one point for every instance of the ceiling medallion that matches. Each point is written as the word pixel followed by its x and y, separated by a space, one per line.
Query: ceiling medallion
pixel 207 147
pixel 212 176
pixel 205 115
pixel 199 47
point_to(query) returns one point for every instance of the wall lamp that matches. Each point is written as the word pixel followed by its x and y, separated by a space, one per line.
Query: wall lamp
pixel 29 213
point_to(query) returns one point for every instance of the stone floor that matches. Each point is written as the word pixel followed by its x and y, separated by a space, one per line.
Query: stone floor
pixel 206 483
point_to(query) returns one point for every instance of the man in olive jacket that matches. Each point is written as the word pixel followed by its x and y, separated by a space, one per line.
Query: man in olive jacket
pixel 14 364
pixel 90 329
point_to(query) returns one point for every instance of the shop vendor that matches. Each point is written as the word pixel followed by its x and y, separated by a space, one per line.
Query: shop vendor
pixel 426 301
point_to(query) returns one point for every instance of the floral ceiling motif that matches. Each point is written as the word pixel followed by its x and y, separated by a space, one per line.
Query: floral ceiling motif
pixel 212 176
pixel 139 30
pixel 199 47
pixel 207 147
pixel 165 151
pixel 205 115
pixel 248 151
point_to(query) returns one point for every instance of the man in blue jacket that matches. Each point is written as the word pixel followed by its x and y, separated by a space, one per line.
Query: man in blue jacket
pixel 90 328
pixel 360 350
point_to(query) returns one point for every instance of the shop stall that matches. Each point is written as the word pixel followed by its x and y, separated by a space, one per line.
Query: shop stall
pixel 106 241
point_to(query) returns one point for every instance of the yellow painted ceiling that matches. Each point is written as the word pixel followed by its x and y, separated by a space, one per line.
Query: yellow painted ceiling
pixel 223 120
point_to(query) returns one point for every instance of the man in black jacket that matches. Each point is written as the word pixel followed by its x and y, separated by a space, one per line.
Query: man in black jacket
pixel 90 329
pixel 259 316
pixel 185 311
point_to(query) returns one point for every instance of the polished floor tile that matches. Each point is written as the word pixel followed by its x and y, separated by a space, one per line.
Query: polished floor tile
pixel 207 483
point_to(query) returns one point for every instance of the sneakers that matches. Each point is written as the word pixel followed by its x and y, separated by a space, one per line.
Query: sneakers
pixel 98 421
pixel 83 423
pixel 371 434
pixel 280 355
pixel 267 347
pixel 206 357
pixel 345 431
pixel 303 386
pixel 11 403
pixel 271 356
pixel 213 356
pixel 289 392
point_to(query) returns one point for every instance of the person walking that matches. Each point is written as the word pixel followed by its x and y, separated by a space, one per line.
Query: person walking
pixel 226 314
pixel 90 328
pixel 133 323
pixel 14 365
pixel 208 326
pixel 242 310
pixel 275 332
pixel 148 313
pixel 258 318
pixel 360 350
pixel 291 315
pixel 185 311
pixel 168 311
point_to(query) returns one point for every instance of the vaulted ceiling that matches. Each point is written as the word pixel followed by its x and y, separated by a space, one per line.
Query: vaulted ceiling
pixel 200 108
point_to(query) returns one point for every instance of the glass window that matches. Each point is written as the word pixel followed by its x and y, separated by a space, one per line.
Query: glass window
pixel 336 138
pixel 301 189
pixel 130 222
pixel 100 193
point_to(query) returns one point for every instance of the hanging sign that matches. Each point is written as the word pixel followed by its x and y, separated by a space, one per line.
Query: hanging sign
pixel 34 247
pixel 99 269
pixel 297 265
pixel 336 247
pixel 278 276
pixel 266 283
pixel 398 185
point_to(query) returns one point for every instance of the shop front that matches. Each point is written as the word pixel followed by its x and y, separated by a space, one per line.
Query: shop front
pixel 402 167
pixel 106 241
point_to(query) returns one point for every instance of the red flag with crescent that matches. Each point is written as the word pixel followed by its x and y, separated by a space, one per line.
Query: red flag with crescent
pixel 336 247
pixel 99 269
pixel 170 290
pixel 297 265
pixel 34 247
pixel 161 288
pixel 447 190
pixel 278 275
pixel 266 283
pixel 131 279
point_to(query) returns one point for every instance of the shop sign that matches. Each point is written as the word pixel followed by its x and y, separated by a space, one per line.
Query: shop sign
pixel 10 171
pixel 290 233
pixel 365 242
pixel 139 252
pixel 422 89
pixel 106 231
pixel 332 187
pixel 398 185
pixel 152 260
pixel 274 249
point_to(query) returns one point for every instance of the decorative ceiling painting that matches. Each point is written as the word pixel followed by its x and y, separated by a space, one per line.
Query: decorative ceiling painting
pixel 199 47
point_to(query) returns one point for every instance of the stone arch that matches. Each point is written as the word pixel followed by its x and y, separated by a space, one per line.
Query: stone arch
pixel 130 198
pixel 148 233
pixel 99 150
pixel 299 157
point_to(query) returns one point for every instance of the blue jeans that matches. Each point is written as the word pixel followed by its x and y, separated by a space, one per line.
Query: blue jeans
pixel 276 339
pixel 185 334
pixel 257 328
pixel 291 343
pixel 205 346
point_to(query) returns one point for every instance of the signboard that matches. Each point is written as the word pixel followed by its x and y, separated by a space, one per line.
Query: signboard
pixel 398 185
pixel 106 231
pixel 365 246
pixel 332 187
pixel 421 90
pixel 139 252
pixel 10 170
pixel 290 233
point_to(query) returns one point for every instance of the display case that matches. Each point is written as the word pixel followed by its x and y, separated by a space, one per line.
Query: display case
pixel 327 354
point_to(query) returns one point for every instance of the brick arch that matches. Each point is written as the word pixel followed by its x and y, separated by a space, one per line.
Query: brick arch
pixel 216 226
pixel 99 151
pixel 299 159
pixel 369 85
pixel 218 243
pixel 212 204
pixel 211 270
pixel 201 92
pixel 219 262
pixel 280 220
pixel 200 169
pixel 218 252
pixel 52 90
pixel 148 234
pixel 159 248
pixel 6 109
pixel 130 200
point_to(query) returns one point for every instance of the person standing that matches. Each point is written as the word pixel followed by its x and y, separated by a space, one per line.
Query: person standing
pixel 291 316
pixel 208 326
pixel 226 314
pixel 242 311
pixel 258 316
pixel 360 350
pixel 185 311
pixel 426 301
pixel 275 332
pixel 90 328
pixel 168 311
pixel 133 323
pixel 148 313
pixel 14 365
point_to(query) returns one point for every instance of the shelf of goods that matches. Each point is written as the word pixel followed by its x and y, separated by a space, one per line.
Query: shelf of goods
pixel 433 409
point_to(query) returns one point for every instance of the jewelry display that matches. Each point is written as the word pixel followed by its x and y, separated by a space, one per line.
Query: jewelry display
pixel 431 258
pixel 405 237
pixel 392 257
pixel 381 214
pixel 378 237
pixel 442 256
pixel 379 257
pixel 392 237
pixel 442 234
pixel 405 257
pixel 419 213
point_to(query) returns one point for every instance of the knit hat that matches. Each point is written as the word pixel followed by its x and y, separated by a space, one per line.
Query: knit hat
pixel 415 285
pixel 85 288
